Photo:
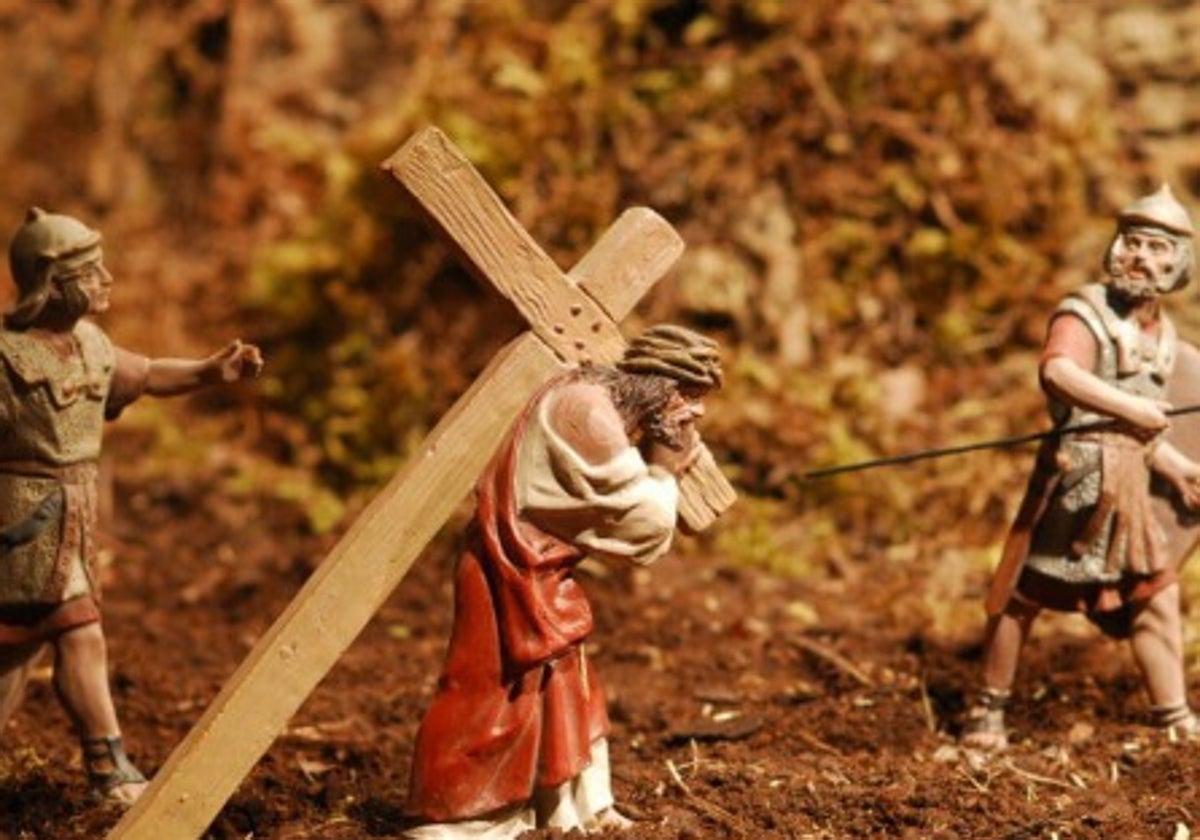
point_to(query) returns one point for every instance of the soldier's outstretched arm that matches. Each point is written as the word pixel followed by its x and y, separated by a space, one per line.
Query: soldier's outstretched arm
pixel 232 363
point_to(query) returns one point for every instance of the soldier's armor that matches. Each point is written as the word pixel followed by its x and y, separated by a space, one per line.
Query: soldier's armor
pixel 1133 362
pixel 52 412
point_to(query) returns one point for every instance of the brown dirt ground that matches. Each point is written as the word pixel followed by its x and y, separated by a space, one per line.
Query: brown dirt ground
pixel 733 716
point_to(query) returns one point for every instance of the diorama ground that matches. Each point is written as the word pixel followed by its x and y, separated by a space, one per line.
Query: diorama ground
pixel 743 704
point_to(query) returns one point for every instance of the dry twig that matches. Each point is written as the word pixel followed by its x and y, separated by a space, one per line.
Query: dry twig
pixel 927 707
pixel 1034 777
pixel 818 82
pixel 816 743
pixel 975 783
pixel 710 809
pixel 831 656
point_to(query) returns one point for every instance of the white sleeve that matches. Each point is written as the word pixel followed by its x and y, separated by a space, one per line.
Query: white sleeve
pixel 620 508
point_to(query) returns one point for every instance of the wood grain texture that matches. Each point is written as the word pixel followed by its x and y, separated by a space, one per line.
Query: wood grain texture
pixel 369 561
pixel 704 493
pixel 475 222
pixel 575 315
pixel 625 264
pixel 336 603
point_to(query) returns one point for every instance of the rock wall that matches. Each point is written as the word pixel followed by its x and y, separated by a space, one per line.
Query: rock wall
pixel 1152 50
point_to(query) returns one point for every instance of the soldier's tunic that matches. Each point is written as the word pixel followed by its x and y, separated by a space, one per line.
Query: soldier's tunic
pixel 1085 538
pixel 54 399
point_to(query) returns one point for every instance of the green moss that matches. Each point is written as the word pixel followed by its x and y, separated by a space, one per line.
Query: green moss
pixel 936 211
pixel 756 534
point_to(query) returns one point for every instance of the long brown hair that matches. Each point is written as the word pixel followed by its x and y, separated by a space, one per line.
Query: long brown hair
pixel 641 399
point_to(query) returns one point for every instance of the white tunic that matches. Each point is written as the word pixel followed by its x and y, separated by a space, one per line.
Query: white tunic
pixel 620 509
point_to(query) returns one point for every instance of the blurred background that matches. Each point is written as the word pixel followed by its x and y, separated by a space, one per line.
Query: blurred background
pixel 882 201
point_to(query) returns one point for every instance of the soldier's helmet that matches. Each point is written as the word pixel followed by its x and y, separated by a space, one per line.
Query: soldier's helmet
pixel 1158 210
pixel 1161 212
pixel 43 241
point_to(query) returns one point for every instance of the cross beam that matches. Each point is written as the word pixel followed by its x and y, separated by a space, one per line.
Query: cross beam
pixel 576 315
pixel 572 318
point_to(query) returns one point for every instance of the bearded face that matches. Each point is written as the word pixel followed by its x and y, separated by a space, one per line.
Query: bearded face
pixel 1143 263
pixel 653 405
pixel 673 424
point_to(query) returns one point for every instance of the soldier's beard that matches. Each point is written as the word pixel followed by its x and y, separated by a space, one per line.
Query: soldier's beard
pixel 1135 289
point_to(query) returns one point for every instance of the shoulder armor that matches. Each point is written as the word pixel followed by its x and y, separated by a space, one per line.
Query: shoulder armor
pixel 36 363
pixel 96 346
pixel 1087 303
pixel 1119 337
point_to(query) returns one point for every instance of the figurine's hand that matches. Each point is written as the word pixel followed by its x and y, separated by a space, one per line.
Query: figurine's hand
pixel 677 461
pixel 1187 483
pixel 237 361
pixel 1147 418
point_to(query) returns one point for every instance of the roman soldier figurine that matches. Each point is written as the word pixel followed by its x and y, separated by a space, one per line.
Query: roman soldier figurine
pixel 1086 538
pixel 60 379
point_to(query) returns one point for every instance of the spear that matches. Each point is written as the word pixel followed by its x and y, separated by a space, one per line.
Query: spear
pixel 997 443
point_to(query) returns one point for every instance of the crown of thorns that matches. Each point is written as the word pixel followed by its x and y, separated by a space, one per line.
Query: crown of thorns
pixel 676 352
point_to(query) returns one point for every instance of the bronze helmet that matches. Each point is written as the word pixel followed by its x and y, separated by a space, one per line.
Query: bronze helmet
pixel 1162 213
pixel 1158 210
pixel 44 240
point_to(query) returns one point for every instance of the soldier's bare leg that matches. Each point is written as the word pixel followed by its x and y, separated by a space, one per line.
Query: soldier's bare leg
pixel 1157 642
pixel 16 663
pixel 81 681
pixel 1003 643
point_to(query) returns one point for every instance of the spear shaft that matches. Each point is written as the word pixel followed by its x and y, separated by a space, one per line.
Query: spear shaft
pixel 997 443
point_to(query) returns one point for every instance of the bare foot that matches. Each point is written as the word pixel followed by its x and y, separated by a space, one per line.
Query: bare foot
pixel 610 819
pixel 123 795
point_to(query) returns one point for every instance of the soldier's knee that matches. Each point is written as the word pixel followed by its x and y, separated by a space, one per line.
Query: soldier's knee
pixel 1021 608
pixel 84 641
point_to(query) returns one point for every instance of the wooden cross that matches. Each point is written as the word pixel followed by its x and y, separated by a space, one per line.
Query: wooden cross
pixel 572 318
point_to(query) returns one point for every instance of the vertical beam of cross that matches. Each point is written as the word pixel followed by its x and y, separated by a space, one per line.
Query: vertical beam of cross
pixel 370 560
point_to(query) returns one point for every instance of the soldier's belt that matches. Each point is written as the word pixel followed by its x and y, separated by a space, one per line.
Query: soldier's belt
pixel 46 513
pixel 1114 438
pixel 77 473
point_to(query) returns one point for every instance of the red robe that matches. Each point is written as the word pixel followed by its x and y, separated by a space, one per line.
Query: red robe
pixel 517 706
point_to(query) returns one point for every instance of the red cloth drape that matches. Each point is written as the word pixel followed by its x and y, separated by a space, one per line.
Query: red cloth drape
pixel 517 705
